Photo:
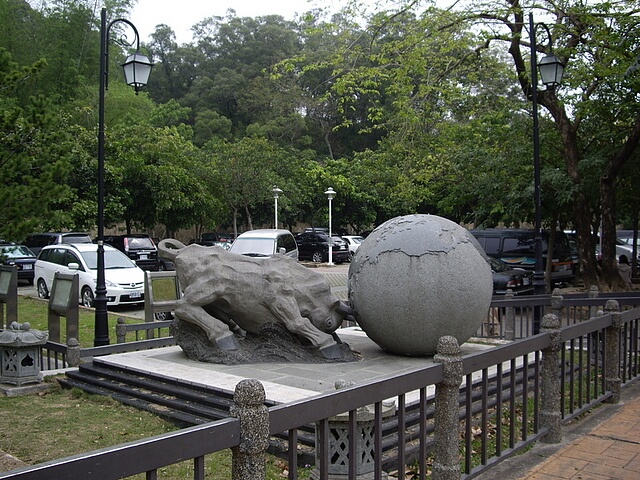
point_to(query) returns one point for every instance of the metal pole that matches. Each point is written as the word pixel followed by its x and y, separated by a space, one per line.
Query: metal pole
pixel 330 240
pixel 538 275
pixel 276 214
pixel 100 302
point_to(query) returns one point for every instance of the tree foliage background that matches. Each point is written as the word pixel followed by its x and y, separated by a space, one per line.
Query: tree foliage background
pixel 403 108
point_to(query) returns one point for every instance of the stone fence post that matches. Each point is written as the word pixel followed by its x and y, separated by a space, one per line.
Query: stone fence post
pixel 249 460
pixel 556 305
pixel 613 382
pixel 73 352
pixel 446 465
pixel 121 330
pixel 510 318
pixel 551 400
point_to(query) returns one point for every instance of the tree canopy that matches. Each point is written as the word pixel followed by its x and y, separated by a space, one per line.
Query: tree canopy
pixel 408 109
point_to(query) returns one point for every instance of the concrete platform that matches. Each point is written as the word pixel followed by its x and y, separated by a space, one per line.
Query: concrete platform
pixel 283 382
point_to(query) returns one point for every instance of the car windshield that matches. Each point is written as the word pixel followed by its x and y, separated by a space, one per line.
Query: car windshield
pixel 140 243
pixel 254 246
pixel 15 251
pixel 76 239
pixel 497 265
pixel 112 259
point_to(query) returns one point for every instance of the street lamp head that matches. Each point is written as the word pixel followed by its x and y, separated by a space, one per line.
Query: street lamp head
pixel 330 193
pixel 137 68
pixel 551 70
pixel 276 191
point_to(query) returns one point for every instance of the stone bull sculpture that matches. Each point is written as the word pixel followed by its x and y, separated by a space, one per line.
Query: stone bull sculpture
pixel 228 295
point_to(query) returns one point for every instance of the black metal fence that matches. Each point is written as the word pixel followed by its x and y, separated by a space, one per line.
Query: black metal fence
pixel 453 419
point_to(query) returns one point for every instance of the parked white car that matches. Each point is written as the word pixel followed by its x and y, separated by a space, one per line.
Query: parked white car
pixel 124 280
pixel 353 241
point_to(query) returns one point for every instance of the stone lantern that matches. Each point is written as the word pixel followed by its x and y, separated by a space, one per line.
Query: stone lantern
pixel 20 354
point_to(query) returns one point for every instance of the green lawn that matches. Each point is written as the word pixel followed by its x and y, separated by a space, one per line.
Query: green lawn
pixel 35 312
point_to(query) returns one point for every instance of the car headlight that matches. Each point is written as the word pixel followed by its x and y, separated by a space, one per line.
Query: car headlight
pixel 110 284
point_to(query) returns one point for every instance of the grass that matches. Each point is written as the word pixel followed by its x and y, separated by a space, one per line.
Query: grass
pixel 35 311
pixel 61 422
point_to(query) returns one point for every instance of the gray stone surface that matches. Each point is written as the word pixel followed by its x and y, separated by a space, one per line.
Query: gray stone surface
pixel 236 301
pixel 417 278
pixel 283 382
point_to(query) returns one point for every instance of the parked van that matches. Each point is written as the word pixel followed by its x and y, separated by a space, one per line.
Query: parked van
pixel 36 241
pixel 265 243
pixel 517 248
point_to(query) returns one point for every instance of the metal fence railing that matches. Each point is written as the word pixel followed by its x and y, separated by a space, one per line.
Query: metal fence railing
pixel 454 418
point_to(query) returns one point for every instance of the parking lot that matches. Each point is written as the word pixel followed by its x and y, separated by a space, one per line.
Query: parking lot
pixel 336 276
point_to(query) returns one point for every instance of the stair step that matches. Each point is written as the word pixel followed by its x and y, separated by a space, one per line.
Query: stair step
pixel 148 394
pixel 211 397
pixel 178 416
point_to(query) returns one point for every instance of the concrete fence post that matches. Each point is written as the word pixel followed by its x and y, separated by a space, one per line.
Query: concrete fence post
pixel 121 330
pixel 73 352
pixel 551 400
pixel 556 305
pixel 249 460
pixel 593 294
pixel 446 465
pixel 613 382
pixel 510 318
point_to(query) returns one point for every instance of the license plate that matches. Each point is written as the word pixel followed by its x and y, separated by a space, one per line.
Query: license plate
pixel 27 267
pixel 526 281
pixel 144 257
pixel 135 295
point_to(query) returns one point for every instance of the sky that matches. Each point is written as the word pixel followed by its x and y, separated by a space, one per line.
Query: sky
pixel 181 15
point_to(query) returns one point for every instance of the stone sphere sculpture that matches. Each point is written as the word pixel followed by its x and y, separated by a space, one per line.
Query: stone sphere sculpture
pixel 416 278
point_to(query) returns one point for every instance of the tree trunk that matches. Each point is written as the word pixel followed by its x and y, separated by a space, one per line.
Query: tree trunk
pixel 235 222
pixel 586 241
pixel 610 276
pixel 249 217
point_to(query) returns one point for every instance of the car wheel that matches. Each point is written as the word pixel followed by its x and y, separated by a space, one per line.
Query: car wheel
pixel 316 256
pixel 87 297
pixel 43 291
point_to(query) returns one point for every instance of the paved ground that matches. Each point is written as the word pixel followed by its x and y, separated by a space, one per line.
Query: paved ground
pixel 605 445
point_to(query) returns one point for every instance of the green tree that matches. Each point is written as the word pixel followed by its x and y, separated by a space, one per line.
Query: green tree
pixel 33 155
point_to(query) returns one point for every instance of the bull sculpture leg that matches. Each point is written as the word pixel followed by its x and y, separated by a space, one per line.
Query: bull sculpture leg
pixel 217 331
pixel 286 310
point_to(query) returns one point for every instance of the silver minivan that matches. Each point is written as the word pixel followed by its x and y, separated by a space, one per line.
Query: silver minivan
pixel 265 243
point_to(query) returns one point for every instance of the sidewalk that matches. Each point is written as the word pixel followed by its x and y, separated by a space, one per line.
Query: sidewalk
pixel 603 445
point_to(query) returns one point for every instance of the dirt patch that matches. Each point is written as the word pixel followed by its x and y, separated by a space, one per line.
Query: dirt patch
pixel 9 462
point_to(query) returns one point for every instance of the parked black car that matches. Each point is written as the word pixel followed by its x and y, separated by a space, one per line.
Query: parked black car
pixel 519 281
pixel 138 247
pixel 315 247
pixel 20 256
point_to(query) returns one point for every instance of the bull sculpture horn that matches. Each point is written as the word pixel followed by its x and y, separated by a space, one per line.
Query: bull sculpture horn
pixel 170 247
pixel 346 309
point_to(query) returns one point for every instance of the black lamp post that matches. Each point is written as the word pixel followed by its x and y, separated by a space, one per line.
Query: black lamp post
pixel 551 69
pixel 136 70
